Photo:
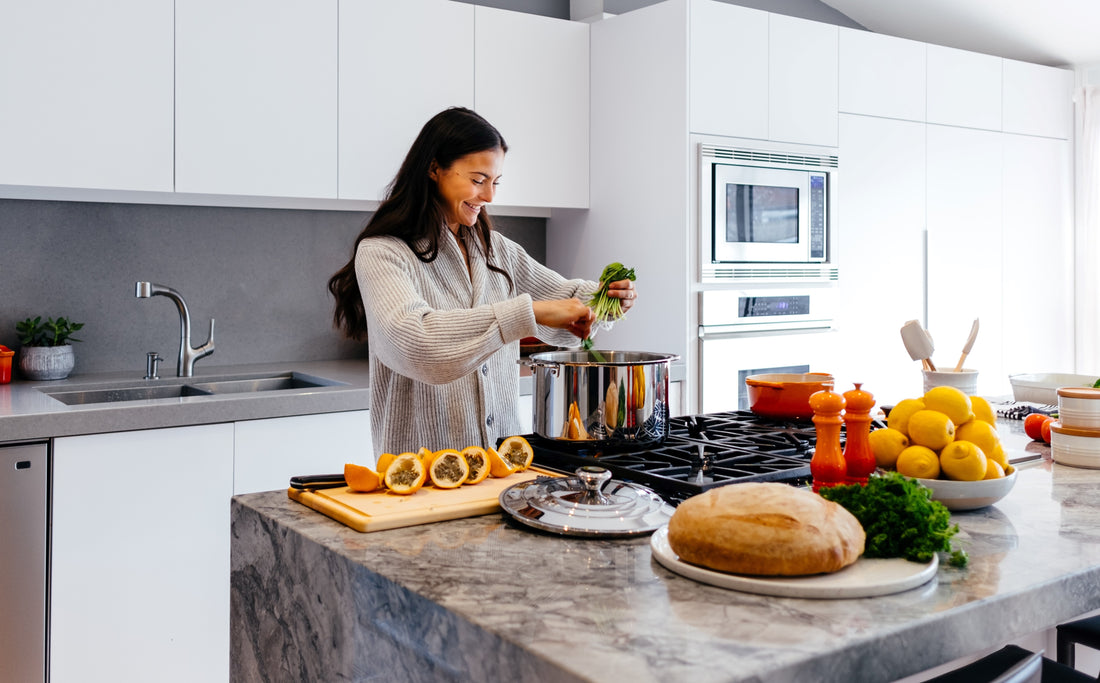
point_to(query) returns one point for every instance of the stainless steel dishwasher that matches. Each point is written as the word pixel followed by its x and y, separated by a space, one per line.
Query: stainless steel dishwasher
pixel 23 543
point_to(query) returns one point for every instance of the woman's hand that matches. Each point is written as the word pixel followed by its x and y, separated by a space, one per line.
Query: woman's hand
pixel 624 291
pixel 565 314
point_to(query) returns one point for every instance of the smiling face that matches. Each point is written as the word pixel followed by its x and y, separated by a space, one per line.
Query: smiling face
pixel 468 184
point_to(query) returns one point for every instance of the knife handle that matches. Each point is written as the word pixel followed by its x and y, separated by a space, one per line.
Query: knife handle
pixel 318 481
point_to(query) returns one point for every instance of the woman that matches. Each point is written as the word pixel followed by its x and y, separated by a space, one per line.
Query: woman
pixel 443 300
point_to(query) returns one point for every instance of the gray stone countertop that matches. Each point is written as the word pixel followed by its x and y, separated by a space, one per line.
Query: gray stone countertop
pixel 311 595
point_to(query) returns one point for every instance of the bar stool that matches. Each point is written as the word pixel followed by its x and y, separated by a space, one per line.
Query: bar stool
pixel 1085 631
pixel 1012 664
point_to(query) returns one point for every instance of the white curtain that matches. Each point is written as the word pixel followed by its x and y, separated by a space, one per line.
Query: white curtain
pixel 1087 266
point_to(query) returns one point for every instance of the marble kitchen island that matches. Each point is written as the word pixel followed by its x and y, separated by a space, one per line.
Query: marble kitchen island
pixel 482 599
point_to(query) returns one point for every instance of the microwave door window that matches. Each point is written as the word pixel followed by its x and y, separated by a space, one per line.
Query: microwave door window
pixel 761 214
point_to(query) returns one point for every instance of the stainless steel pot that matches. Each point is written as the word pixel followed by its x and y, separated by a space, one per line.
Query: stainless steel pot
pixel 601 398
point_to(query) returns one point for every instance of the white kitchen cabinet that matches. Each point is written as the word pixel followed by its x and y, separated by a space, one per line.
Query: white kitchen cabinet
pixel 965 250
pixel 267 453
pixel 256 97
pixel 531 82
pixel 880 75
pixel 1037 100
pixel 880 252
pixel 964 88
pixel 140 555
pixel 802 81
pixel 728 63
pixel 1037 283
pixel 385 99
pixel 86 94
pixel 526 410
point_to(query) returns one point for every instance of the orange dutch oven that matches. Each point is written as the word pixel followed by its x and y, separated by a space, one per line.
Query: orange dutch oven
pixel 785 395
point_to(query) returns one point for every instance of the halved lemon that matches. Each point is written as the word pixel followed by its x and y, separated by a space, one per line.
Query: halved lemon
pixel 478 461
pixel 360 478
pixel 517 451
pixel 448 469
pixel 498 466
pixel 406 475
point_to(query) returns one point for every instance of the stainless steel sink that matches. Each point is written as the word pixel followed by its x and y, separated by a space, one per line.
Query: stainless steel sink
pixel 142 393
pixel 291 380
pixel 182 388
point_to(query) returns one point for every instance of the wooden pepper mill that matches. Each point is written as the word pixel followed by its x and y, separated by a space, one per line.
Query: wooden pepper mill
pixel 857 427
pixel 827 464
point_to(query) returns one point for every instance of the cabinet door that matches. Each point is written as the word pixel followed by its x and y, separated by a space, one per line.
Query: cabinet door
pixel 1037 284
pixel 964 88
pixel 728 53
pixel 267 453
pixel 882 75
pixel 1038 100
pixel 802 78
pixel 256 97
pixel 140 555
pixel 86 94
pixel 965 250
pixel 531 82
pixel 879 241
pixel 393 79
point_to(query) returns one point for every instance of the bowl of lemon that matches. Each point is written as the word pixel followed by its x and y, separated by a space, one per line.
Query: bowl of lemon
pixel 948 442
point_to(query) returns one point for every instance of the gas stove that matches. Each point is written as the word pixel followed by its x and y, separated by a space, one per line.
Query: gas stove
pixel 700 453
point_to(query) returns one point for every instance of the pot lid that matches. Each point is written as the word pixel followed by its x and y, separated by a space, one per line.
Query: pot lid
pixel 588 504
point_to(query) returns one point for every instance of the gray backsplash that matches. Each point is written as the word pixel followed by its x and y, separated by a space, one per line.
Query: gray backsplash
pixel 261 273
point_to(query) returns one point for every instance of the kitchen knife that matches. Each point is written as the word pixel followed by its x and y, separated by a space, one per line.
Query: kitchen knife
pixel 317 481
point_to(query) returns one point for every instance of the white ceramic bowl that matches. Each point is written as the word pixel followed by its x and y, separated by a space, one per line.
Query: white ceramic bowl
pixel 1043 388
pixel 970 495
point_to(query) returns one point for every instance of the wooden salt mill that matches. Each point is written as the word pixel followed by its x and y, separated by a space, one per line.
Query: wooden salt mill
pixel 827 464
pixel 857 427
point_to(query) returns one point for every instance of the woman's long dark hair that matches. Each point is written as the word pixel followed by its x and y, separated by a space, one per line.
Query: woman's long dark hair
pixel 412 209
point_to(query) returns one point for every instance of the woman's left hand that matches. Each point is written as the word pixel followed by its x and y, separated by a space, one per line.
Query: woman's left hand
pixel 624 291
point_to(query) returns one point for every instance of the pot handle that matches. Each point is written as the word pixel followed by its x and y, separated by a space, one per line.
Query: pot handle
pixel 760 383
pixel 539 364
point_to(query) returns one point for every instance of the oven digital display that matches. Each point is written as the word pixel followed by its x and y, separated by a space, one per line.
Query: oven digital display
pixel 763 306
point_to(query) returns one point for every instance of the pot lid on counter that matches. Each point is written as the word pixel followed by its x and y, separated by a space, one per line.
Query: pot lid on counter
pixel 588 504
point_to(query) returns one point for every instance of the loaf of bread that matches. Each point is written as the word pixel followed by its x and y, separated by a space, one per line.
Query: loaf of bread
pixel 765 529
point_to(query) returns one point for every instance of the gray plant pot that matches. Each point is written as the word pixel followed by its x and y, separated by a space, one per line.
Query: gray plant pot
pixel 46 362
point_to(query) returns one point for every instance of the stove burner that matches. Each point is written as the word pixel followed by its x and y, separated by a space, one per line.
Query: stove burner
pixel 700 453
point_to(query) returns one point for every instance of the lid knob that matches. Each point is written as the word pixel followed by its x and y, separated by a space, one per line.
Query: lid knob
pixel 593 479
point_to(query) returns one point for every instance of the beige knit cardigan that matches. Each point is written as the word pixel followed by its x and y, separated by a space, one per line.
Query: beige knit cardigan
pixel 443 340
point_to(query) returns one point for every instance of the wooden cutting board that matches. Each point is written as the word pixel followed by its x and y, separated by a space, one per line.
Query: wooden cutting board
pixel 379 510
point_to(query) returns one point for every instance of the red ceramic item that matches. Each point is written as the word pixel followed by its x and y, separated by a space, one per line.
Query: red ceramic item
pixel 827 464
pixel 5 364
pixel 785 395
pixel 858 455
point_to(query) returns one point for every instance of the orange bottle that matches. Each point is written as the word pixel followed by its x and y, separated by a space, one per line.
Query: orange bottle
pixel 827 464
pixel 857 427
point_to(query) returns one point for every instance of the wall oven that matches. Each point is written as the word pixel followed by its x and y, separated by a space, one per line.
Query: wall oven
pixel 762 329
pixel 766 213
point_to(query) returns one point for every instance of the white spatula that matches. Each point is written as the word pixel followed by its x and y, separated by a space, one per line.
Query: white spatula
pixel 918 343
pixel 968 345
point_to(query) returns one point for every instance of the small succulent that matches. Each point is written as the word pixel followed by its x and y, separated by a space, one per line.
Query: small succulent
pixel 50 333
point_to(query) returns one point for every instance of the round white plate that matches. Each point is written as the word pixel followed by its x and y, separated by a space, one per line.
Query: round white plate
pixel 863 579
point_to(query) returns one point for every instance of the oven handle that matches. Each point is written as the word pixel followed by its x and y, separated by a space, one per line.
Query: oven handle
pixel 716 332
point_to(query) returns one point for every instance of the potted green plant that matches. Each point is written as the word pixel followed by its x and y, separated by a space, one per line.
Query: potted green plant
pixel 47 352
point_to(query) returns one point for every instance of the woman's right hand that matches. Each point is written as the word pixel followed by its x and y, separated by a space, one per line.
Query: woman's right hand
pixel 565 314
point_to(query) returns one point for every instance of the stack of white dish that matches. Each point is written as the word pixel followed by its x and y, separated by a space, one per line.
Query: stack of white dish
pixel 1075 435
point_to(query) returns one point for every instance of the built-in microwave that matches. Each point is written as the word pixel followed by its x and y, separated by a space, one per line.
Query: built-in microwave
pixel 765 214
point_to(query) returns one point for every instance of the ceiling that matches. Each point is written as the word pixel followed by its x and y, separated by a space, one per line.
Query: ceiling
pixel 1051 32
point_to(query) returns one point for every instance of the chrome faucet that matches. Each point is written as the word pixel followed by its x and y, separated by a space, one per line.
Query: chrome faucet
pixel 185 367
